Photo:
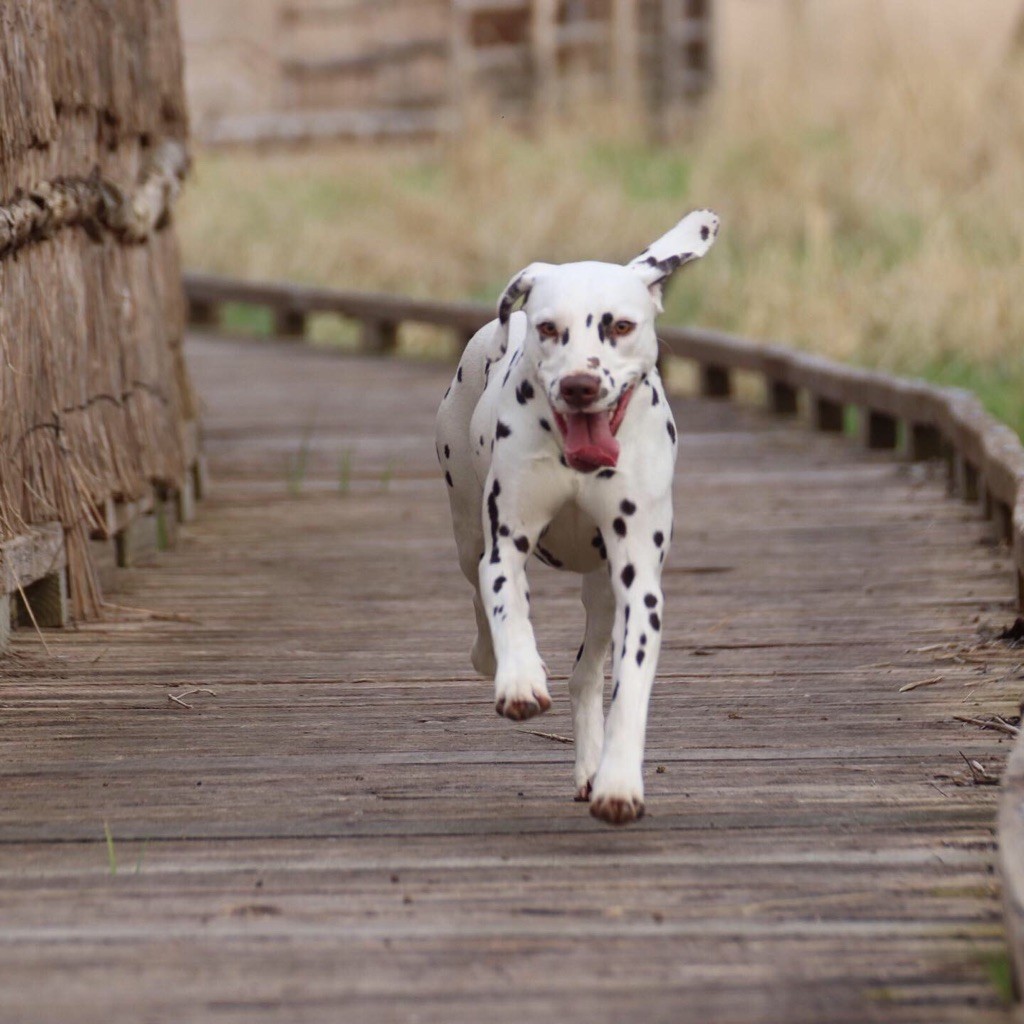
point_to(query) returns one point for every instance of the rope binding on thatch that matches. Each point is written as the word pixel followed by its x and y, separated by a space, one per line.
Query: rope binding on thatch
pixel 97 204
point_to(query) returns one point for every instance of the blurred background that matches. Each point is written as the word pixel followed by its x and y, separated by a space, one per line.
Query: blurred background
pixel 867 159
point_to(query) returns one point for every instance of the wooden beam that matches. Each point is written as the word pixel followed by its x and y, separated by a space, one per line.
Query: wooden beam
pixel 544 49
pixel 625 51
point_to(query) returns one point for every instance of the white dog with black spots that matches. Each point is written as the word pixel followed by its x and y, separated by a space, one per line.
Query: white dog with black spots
pixel 556 439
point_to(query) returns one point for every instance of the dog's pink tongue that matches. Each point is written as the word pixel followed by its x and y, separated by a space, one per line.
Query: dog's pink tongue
pixel 589 442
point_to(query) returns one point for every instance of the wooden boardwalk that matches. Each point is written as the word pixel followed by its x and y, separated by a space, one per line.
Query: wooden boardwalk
pixel 343 830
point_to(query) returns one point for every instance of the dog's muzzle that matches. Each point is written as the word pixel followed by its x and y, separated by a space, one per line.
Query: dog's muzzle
pixel 589 437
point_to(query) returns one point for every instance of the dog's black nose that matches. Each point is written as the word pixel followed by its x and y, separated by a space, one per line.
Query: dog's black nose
pixel 579 389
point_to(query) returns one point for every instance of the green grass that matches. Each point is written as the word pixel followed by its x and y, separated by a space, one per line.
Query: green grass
pixel 1000 387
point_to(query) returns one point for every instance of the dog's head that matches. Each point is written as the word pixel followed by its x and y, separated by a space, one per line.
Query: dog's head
pixel 590 333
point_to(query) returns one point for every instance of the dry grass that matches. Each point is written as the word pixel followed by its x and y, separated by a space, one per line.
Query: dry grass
pixel 875 218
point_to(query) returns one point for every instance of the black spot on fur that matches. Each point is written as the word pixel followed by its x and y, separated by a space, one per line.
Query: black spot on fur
pixel 502 430
pixel 508 373
pixel 598 543
pixel 561 459
pixel 606 319
pixel 522 544
pixel 639 657
pixel 659 538
pixel 492 515
pixel 447 451
pixel 705 232
pixel 565 336
pixel 655 622
pixel 504 530
pixel 671 431
pixel 654 396
pixel 650 600
pixel 619 526
pixel 590 319
pixel 498 584
pixel 447 391
pixel 605 474
pixel 615 691
pixel 547 558
pixel 544 425
pixel 643 639
pixel 628 575
pixel 627 507
pixel 524 392
pixel 458 376
pixel 448 479
pixel 497 610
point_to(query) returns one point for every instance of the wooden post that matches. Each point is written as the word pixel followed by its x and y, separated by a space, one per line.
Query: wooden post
pixel 202 313
pixel 966 479
pixel 626 55
pixel 715 382
pixel 47 601
pixel 925 442
pixel 544 48
pixel 881 431
pixel 378 337
pixel 1002 516
pixel 829 416
pixel 460 65
pixel 783 398
pixel 289 323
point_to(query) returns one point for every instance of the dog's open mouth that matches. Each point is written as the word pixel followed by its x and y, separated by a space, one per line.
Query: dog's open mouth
pixel 590 436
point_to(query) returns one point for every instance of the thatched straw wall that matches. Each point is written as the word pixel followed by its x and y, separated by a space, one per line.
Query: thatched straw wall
pixel 94 399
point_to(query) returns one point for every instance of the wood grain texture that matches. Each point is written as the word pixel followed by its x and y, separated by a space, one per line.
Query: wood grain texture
pixel 342 830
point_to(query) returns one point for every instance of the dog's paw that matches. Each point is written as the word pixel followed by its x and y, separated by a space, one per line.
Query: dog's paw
pixel 617 810
pixel 519 709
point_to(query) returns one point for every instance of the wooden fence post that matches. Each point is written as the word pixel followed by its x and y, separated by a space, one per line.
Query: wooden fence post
pixel 715 381
pixel 829 416
pixel 783 398
pixel 289 322
pixel 378 337
pixel 881 431
pixel 925 442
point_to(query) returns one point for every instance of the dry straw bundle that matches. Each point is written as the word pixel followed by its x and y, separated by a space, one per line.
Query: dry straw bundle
pixel 94 398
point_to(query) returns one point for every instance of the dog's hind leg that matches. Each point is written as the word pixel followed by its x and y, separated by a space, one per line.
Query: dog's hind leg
pixel 586 685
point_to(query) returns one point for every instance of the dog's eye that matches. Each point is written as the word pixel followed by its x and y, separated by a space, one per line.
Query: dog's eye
pixel 622 327
pixel 546 329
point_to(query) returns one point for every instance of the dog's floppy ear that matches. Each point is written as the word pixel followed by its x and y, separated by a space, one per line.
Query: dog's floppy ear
pixel 518 288
pixel 690 239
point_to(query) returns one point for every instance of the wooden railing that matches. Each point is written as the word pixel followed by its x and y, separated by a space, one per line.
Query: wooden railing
pixel 984 458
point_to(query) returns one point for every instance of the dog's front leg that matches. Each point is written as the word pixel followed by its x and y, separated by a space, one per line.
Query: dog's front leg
pixel 636 545
pixel 515 510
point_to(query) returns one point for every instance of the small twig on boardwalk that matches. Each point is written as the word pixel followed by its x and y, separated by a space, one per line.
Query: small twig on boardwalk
pixel 549 736
pixel 995 722
pixel 147 613
pixel 980 775
pixel 198 689
pixel 921 682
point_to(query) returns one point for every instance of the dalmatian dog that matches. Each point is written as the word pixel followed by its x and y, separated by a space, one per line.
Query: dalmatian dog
pixel 556 439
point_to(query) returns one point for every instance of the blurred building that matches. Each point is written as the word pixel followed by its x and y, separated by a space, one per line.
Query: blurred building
pixel 365 67
pixel 395 67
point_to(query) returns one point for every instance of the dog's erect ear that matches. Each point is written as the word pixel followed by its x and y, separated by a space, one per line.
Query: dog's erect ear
pixel 690 239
